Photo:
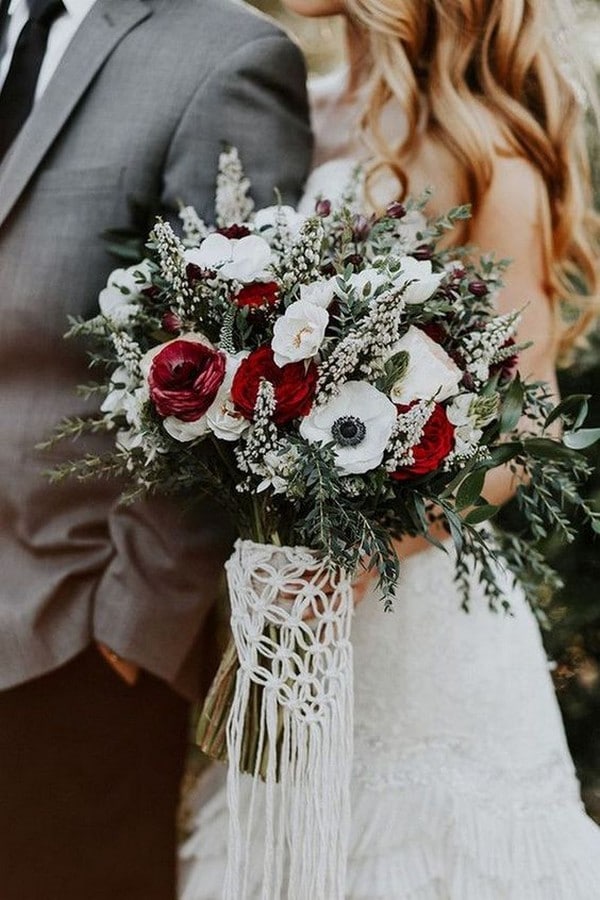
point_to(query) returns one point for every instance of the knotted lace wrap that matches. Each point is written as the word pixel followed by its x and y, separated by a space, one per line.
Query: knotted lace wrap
pixel 305 668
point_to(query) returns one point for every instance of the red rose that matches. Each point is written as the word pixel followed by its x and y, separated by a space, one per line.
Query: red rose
pixel 294 385
pixel 184 378
pixel 259 293
pixel 437 442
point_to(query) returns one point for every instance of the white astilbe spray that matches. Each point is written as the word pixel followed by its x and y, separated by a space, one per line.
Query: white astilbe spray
pixel 364 350
pixel 233 204
pixel 407 434
pixel 171 253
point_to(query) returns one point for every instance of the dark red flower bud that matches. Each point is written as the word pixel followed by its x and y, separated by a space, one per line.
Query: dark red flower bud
pixel 171 322
pixel 424 252
pixel 396 210
pixel 478 288
pixel 360 227
pixel 234 232
pixel 197 273
pixel 323 208
pixel 355 260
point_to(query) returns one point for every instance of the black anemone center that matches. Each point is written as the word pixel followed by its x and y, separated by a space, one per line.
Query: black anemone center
pixel 348 431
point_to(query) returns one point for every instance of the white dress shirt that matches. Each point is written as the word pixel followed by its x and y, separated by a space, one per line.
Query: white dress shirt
pixel 61 33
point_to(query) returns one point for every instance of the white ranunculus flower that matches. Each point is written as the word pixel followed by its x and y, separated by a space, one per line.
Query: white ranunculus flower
pixel 417 278
pixel 321 293
pixel 120 299
pixel 299 333
pixel 430 372
pixel 243 259
pixel 458 412
pixel 266 220
pixel 222 418
pixel 359 420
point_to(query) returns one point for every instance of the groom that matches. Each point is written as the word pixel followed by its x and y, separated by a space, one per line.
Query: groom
pixel 107 107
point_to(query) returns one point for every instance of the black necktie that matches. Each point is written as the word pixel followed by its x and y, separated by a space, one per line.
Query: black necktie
pixel 18 92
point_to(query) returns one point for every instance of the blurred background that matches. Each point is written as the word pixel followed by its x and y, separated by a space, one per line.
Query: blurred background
pixel 573 636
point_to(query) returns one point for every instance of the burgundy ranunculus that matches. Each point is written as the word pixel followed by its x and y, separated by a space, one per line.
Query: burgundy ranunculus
pixel 184 378
pixel 259 293
pixel 437 442
pixel 294 385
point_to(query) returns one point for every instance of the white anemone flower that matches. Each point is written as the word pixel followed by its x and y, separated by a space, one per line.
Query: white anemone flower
pixel 417 278
pixel 359 422
pixel 430 372
pixel 243 259
pixel 299 333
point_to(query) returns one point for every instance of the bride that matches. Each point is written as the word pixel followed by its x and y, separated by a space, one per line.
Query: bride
pixel 463 788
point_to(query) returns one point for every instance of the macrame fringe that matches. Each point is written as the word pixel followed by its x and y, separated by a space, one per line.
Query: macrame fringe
pixel 305 724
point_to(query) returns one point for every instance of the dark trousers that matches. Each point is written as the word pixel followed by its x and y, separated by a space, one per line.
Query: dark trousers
pixel 89 778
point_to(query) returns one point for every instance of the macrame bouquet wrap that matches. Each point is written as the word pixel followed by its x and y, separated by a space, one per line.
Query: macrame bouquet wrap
pixel 290 618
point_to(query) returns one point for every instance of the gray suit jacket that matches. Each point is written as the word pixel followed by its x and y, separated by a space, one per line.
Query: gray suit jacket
pixel 140 106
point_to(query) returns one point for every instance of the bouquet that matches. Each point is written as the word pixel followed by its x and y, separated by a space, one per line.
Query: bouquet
pixel 337 381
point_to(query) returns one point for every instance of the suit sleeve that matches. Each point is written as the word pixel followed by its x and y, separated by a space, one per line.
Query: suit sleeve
pixel 255 101
pixel 155 597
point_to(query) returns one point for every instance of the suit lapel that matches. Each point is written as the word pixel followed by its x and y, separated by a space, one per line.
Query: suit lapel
pixel 98 35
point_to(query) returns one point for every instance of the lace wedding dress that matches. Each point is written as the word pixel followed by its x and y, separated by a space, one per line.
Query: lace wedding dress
pixel 463 787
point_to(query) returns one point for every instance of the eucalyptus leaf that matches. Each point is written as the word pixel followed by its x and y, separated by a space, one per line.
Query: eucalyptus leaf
pixel 470 490
pixel 579 440
pixel 576 405
pixel 481 514
pixel 512 408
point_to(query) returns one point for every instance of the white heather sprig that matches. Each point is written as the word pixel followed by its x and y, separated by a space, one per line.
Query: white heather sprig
pixel 128 352
pixel 366 348
pixel 171 256
pixel 304 258
pixel 407 434
pixel 261 439
pixel 481 347
pixel 233 205
pixel 194 228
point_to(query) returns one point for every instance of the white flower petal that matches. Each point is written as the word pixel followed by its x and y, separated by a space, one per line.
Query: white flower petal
pixel 185 431
pixel 430 373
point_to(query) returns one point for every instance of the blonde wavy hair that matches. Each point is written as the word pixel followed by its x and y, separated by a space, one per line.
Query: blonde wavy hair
pixel 443 59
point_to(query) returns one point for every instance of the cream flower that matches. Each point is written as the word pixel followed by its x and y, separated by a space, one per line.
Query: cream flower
pixel 429 374
pixel 359 422
pixel 299 333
